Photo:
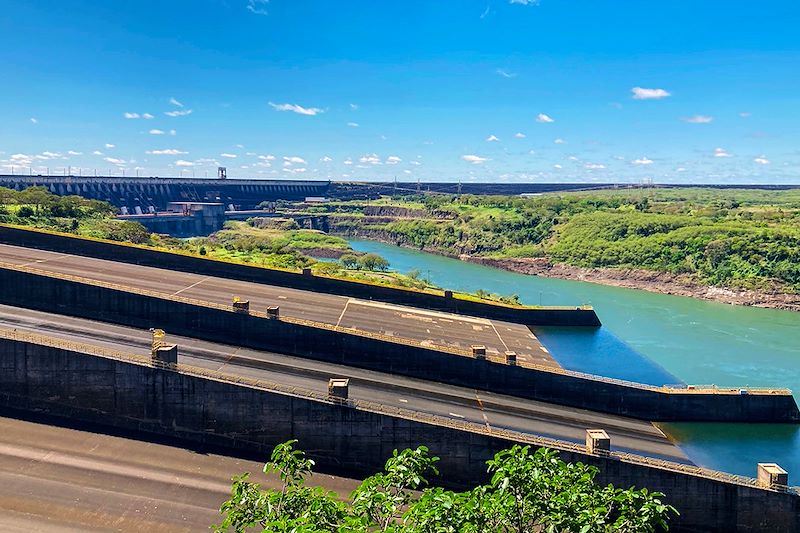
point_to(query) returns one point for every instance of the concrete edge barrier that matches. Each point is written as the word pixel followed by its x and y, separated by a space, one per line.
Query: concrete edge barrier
pixel 219 323
pixel 113 251
pixel 198 405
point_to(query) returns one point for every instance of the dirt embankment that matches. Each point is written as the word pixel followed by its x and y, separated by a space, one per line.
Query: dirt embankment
pixel 648 280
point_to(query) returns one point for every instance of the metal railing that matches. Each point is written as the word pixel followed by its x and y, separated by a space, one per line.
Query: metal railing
pixel 382 409
pixel 670 389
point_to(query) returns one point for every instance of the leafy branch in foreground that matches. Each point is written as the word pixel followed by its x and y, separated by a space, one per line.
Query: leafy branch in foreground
pixel 528 491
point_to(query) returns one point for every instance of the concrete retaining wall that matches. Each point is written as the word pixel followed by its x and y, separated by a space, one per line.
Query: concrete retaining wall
pixel 141 256
pixel 57 295
pixel 341 439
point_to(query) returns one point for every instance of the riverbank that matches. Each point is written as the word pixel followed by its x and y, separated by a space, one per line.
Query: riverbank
pixel 647 280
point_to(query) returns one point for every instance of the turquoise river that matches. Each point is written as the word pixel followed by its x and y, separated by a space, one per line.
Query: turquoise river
pixel 657 339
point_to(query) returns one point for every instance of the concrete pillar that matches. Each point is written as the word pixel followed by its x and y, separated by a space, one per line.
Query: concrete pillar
pixel 167 354
pixel 448 295
pixel 597 442
pixel 771 475
pixel 241 306
pixel 273 311
pixel 338 389
pixel 307 272
pixel 479 351
pixel 511 358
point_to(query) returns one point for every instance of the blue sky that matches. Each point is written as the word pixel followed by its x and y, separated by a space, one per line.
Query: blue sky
pixel 500 90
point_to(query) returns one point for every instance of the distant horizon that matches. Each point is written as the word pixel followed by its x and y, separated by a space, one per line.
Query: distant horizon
pixel 484 90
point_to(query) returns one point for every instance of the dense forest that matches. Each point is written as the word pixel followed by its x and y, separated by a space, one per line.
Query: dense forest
pixel 735 238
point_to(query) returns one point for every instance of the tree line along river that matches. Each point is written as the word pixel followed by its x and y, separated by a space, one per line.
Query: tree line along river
pixel 656 339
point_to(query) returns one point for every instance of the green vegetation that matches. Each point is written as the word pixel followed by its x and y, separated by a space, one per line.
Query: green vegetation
pixel 734 238
pixel 529 491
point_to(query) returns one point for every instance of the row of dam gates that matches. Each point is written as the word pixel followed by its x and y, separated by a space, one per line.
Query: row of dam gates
pixel 158 192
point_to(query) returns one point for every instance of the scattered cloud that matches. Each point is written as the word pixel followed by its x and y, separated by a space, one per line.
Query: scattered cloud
pixel 745 114
pixel 354 107
pixel 505 74
pixel 97 152
pixel 474 159
pixel 257 7
pixel 545 119
pixel 294 160
pixel 721 152
pixel 559 141
pixel 762 160
pixel 372 159
pixel 698 119
pixel 594 166
pixel 642 161
pixel 183 163
pixel 525 2
pixel 109 145
pixel 167 151
pixel 393 160
pixel 326 159
pixel 348 161
pixel 268 157
pixel 557 166
pixel 294 108
pixel 519 135
pixel 34 120
pixel 114 160
pixel 492 139
pixel 175 102
pixel 353 124
pixel 156 132
pixel 131 115
pixel 73 152
pixel 48 155
pixel 179 113
pixel 485 12
pixel 640 93
pixel 229 156
pixel 147 116
pixel 173 132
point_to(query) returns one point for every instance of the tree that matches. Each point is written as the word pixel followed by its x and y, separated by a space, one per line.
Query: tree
pixel 528 491
pixel 349 261
pixel 373 262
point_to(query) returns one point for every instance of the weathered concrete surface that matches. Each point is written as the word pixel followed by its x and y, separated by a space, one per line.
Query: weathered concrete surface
pixel 65 243
pixel 66 383
pixel 57 295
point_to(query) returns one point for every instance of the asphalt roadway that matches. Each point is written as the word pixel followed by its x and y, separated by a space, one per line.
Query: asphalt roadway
pixel 457 403
pixel 55 479
pixel 431 328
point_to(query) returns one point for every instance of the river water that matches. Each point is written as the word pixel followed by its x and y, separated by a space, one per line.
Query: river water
pixel 656 339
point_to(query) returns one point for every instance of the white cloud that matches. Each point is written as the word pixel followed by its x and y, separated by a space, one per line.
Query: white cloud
pixel 415 163
pixel 505 73
pixel 97 152
pixel 34 120
pixel 474 159
pixel 525 2
pixel 156 132
pixel 762 160
pixel 557 166
pixel 594 166
pixel 181 113
pixel 73 152
pixel 559 141
pixel 229 156
pixel 699 119
pixel 268 157
pixel 353 124
pixel 354 107
pixel 519 135
pixel 48 155
pixel 642 161
pixel 640 93
pixel 721 152
pixel 294 108
pixel 745 114
pixel 257 7
pixel 393 160
pixel 147 116
pixel 109 145
pixel 348 161
pixel 492 139
pixel 131 115
pixel 167 151
pixel 183 163
pixel 545 119
pixel 372 159
pixel 326 159
pixel 294 160
pixel 175 102
pixel 114 160
pixel 173 132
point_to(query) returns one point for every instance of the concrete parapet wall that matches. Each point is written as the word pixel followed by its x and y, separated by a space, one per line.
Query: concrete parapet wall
pixel 220 324
pixel 64 243
pixel 65 382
